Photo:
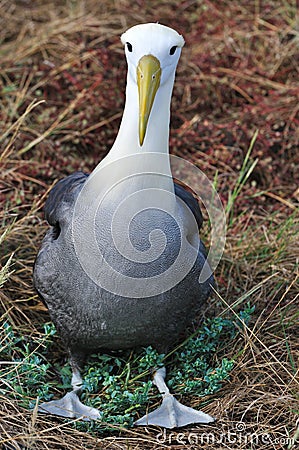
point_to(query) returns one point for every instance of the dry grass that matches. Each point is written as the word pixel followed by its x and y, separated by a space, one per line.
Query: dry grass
pixel 62 81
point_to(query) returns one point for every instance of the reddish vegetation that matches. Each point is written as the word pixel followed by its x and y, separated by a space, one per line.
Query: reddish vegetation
pixel 238 74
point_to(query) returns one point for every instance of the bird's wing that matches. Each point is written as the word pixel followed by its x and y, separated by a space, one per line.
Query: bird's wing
pixel 62 197
pixel 190 201
pixel 58 211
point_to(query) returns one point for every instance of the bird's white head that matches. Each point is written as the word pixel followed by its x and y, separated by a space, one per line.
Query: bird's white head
pixel 152 52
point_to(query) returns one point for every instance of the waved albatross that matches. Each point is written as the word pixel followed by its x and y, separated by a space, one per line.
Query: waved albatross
pixel 119 267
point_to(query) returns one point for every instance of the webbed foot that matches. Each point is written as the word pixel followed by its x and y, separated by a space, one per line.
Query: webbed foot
pixel 172 414
pixel 69 406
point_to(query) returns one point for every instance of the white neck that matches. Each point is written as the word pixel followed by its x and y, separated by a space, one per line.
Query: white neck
pixel 157 134
pixel 127 158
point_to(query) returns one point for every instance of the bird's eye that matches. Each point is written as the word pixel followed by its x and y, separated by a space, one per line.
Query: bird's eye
pixel 172 50
pixel 129 47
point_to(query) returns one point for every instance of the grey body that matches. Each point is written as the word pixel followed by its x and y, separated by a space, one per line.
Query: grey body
pixel 89 318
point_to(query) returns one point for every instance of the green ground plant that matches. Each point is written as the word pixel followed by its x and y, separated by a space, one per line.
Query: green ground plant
pixel 119 384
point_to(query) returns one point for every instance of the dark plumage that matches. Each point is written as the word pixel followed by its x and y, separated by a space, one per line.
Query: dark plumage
pixel 79 307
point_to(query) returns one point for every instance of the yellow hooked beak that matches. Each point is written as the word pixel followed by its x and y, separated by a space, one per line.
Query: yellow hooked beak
pixel 148 81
